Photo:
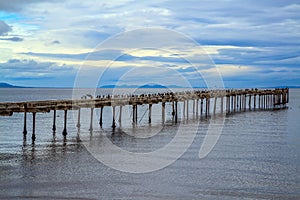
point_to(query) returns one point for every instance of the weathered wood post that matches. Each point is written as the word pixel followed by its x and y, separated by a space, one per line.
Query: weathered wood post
pixel 187 109
pixel 149 114
pixel 173 110
pixel 227 103
pixel 259 101
pixel 206 107
pixel 222 99
pixel 183 112
pixel 133 113
pixel 163 111
pixel 287 95
pixel 33 127
pixel 201 109
pixel 241 102
pixel 25 121
pixel 215 105
pixel 91 121
pixel 197 108
pixel 245 100
pixel 54 121
pixel 249 103
pixel 114 117
pixel 234 102
pixel 65 124
pixel 254 101
pixel 193 106
pixel 136 114
pixel 101 116
pixel 176 111
pixel 78 118
pixel 120 116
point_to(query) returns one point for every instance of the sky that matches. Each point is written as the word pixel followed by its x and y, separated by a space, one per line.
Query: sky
pixel 198 43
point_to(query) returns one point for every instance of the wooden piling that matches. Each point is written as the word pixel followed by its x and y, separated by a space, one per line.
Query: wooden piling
pixel 64 133
pixel 201 109
pixel 254 102
pixel 163 112
pixel 241 102
pixel 187 109
pixel 120 116
pixel 133 113
pixel 25 121
pixel 183 109
pixel 176 112
pixel 197 108
pixel 222 99
pixel 78 119
pixel 215 105
pixel 54 121
pixel 150 112
pixel 33 127
pixel 91 120
pixel 113 117
pixel 136 114
pixel 101 116
pixel 249 103
pixel 193 106
pixel 245 104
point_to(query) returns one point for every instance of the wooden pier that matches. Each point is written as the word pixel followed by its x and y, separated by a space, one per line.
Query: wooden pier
pixel 231 101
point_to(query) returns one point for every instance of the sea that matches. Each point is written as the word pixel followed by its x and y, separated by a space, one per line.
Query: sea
pixel 256 156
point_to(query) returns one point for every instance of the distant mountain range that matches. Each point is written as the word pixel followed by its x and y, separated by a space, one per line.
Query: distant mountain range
pixel 142 86
pixel 6 85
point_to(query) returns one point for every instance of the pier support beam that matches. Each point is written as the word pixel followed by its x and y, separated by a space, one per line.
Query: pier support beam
pixel 197 108
pixel 249 103
pixel 101 116
pixel 25 123
pixel 33 127
pixel 91 122
pixel 176 111
pixel 222 104
pixel 114 117
pixel 78 119
pixel 187 109
pixel 193 106
pixel 183 112
pixel 173 110
pixel 215 105
pixel 254 106
pixel 207 107
pixel 163 112
pixel 54 121
pixel 149 114
pixel 120 115
pixel 201 109
pixel 64 133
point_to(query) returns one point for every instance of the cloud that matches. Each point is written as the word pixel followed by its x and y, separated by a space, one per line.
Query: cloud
pixel 14 39
pixel 263 36
pixel 4 28
pixel 17 5
pixel 19 69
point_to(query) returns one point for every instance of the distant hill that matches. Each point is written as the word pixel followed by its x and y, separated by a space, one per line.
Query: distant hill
pixel 137 86
pixel 6 85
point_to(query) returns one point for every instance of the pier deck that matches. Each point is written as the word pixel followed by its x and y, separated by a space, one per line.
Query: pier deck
pixel 230 101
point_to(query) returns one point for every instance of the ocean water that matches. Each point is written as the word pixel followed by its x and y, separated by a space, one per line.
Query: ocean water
pixel 256 157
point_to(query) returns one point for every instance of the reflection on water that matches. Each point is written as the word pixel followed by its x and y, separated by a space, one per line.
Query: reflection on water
pixel 256 157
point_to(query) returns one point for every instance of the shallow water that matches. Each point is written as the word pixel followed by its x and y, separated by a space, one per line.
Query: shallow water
pixel 256 157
